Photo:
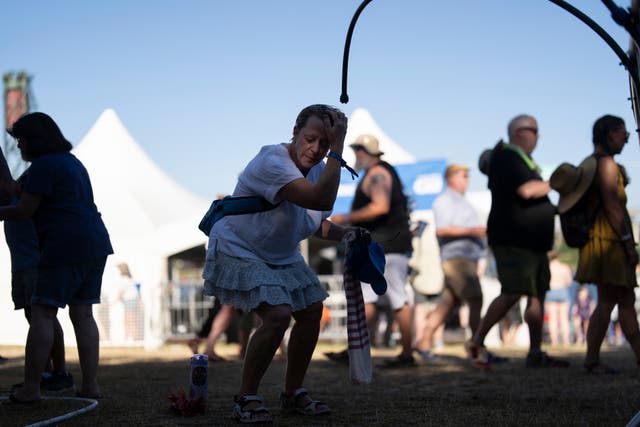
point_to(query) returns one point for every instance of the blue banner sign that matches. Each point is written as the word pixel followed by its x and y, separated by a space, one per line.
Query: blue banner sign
pixel 422 181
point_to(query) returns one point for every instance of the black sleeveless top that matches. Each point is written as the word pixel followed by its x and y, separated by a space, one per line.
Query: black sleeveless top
pixel 391 231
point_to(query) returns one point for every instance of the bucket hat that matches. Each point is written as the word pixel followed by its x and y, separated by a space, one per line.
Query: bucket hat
pixel 366 260
pixel 572 182
pixel 370 144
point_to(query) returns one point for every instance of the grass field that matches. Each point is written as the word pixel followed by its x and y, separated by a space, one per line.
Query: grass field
pixel 136 384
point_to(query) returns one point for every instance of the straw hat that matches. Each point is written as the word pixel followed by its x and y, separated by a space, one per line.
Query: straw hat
pixel 572 182
pixel 369 143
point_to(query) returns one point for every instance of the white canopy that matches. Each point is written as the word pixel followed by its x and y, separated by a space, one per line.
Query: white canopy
pixel 361 122
pixel 148 215
pixel 140 204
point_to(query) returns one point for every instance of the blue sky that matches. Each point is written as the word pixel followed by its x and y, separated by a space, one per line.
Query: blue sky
pixel 201 85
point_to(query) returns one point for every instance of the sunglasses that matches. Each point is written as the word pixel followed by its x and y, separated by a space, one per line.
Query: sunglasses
pixel 534 130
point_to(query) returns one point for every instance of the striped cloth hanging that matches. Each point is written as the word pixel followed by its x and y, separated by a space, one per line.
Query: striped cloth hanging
pixel 360 369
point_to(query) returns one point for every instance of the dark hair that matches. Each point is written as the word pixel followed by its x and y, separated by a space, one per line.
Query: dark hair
pixel 602 127
pixel 317 110
pixel 41 134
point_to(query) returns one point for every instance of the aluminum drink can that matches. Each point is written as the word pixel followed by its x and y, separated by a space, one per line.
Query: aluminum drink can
pixel 198 378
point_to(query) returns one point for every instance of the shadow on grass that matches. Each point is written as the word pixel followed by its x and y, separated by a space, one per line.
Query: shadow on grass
pixel 136 384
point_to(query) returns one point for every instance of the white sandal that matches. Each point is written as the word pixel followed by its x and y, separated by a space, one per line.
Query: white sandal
pixel 259 415
pixel 290 404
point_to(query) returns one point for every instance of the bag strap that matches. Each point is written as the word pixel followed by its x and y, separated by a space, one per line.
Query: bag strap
pixel 244 205
pixel 234 206
pixel 595 212
pixel 530 163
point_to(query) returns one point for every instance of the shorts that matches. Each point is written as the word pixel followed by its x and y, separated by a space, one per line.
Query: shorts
pixel 558 295
pixel 429 302
pixel 396 270
pixel 522 271
pixel 23 283
pixel 420 298
pixel 461 278
pixel 76 284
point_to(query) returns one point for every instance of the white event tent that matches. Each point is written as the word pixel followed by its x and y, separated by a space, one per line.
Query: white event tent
pixel 148 215
pixel 361 122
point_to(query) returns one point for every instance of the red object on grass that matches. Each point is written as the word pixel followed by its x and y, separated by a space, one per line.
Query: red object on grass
pixel 184 406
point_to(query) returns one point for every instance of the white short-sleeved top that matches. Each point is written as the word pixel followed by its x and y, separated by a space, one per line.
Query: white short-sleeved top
pixel 272 236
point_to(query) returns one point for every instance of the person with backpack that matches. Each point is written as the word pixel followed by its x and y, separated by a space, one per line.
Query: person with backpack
pixel 520 233
pixel 609 257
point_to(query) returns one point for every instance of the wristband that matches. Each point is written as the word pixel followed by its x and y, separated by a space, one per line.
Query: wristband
pixel 626 237
pixel 343 164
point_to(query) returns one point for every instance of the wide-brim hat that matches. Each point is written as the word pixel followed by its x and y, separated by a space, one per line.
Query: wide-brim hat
pixel 572 182
pixel 367 262
pixel 370 144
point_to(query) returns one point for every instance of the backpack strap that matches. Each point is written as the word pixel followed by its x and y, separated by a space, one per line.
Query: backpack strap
pixel 234 206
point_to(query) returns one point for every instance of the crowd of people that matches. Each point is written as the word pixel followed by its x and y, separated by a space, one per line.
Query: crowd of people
pixel 256 272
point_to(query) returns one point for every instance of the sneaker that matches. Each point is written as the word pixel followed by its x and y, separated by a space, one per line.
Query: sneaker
pixel 398 362
pixel 57 381
pixel 477 354
pixel 341 357
pixel 541 359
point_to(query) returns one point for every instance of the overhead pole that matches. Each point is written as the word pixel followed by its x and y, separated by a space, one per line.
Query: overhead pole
pixel 628 20
pixel 344 97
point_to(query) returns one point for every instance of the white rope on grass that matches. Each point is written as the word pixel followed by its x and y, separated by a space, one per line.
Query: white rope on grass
pixel 92 405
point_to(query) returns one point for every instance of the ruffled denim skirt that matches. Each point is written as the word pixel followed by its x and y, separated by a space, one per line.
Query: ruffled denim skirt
pixel 246 283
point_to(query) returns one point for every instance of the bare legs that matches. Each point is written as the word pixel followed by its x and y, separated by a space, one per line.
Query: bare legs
pixel 558 321
pixel 220 324
pixel 439 314
pixel 267 338
pixel 599 321
pixel 302 343
pixel 39 343
pixel 496 311
pixel 45 337
pixel 403 317
pixel 534 316
pixel 56 360
pixel 88 341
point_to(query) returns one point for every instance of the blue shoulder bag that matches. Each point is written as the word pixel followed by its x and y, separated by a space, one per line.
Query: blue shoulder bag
pixel 233 206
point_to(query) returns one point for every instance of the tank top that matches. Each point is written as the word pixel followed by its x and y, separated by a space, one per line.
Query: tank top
pixel 391 231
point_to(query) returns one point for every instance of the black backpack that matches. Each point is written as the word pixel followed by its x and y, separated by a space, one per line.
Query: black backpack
pixel 576 223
